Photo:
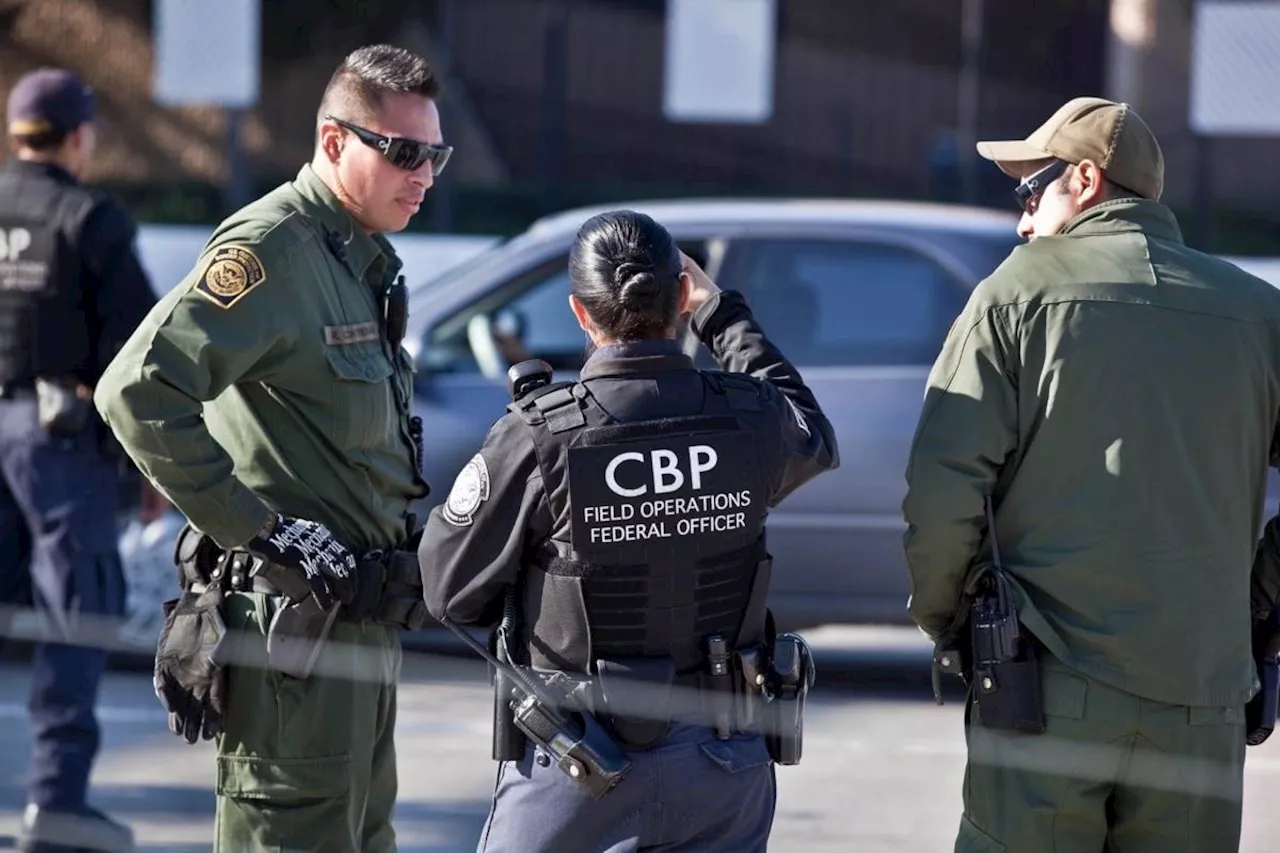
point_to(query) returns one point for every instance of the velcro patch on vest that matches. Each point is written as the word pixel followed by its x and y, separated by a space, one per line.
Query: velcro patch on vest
pixel 678 497
pixel 232 272
pixel 27 253
pixel 355 333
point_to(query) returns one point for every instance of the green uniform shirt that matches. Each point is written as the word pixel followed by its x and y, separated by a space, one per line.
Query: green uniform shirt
pixel 1117 393
pixel 264 381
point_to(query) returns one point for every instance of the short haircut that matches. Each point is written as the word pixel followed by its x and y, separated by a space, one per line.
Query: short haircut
pixel 355 90
pixel 1115 191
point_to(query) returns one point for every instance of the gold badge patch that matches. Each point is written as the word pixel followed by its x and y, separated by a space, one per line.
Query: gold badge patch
pixel 232 272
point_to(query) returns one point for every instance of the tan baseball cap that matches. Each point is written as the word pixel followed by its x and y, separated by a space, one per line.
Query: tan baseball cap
pixel 1112 135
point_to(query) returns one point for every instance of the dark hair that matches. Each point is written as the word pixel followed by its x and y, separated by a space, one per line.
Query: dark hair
pixel 355 90
pixel 625 270
pixel 1116 191
pixel 45 140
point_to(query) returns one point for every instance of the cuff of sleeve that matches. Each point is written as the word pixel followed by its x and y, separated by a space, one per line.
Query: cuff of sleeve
pixel 242 517
pixel 712 316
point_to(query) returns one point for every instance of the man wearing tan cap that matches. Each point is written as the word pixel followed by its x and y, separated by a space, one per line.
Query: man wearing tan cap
pixel 1094 445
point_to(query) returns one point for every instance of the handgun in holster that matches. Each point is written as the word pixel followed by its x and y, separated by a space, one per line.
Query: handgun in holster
pixel 299 627
pixel 790 675
pixel 1260 712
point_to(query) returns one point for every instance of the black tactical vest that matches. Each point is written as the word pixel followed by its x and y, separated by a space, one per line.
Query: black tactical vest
pixel 44 319
pixel 658 535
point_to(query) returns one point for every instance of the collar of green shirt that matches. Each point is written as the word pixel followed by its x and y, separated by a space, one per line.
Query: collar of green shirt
pixel 369 256
pixel 1126 215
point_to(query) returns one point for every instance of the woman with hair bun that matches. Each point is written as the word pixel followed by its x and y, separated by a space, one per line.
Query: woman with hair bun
pixel 611 530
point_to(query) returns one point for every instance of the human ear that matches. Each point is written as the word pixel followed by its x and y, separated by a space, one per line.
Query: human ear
pixel 580 314
pixel 331 141
pixel 1090 185
pixel 686 284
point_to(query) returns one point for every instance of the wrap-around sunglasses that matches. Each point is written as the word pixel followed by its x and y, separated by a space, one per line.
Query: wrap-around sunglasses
pixel 407 154
pixel 1033 185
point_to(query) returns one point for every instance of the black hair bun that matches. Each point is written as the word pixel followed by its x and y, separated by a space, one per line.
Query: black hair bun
pixel 638 286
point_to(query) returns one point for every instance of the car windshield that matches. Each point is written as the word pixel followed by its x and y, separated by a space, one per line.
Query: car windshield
pixel 492 256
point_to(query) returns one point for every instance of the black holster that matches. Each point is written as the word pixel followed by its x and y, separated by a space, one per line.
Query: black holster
pixel 1005 677
pixel 634 699
pixel 61 410
pixel 791 675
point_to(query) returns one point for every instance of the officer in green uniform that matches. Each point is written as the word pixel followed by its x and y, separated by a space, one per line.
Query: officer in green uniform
pixel 268 397
pixel 1114 394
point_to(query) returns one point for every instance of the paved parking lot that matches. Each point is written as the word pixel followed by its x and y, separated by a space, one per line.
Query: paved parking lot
pixel 881 771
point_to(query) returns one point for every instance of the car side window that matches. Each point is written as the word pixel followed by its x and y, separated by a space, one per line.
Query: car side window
pixel 526 316
pixel 835 302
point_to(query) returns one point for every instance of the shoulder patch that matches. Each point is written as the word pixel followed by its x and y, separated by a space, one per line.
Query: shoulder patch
pixel 470 489
pixel 231 273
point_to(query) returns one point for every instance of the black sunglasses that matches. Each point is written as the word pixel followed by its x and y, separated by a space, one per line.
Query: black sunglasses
pixel 407 154
pixel 1031 186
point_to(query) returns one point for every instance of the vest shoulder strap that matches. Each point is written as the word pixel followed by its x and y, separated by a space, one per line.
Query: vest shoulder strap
pixel 740 391
pixel 558 406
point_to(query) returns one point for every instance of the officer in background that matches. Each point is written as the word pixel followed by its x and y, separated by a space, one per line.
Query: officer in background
pixel 619 521
pixel 1115 394
pixel 268 396
pixel 71 292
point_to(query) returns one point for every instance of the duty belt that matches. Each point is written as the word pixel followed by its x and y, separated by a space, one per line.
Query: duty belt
pixel 689 697
pixel 388 586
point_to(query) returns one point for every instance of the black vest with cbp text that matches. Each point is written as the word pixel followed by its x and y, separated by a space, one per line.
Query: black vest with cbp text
pixel 45 317
pixel 658 527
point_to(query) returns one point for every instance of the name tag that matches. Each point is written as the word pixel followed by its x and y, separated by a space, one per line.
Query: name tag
pixel 356 333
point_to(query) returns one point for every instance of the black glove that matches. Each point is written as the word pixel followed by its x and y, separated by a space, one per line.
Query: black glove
pixel 309 547
pixel 190 680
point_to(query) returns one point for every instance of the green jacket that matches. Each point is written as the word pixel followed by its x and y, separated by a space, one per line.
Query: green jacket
pixel 1117 394
pixel 263 380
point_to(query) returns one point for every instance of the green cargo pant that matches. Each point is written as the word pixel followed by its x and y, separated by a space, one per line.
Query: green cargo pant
pixel 308 765
pixel 1113 773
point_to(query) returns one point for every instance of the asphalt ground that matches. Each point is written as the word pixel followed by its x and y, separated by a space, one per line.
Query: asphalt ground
pixel 881 773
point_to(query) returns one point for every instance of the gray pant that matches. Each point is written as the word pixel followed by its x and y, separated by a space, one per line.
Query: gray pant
pixel 689 793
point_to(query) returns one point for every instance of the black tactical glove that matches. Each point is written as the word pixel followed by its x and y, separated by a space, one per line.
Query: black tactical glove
pixel 190 680
pixel 309 547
